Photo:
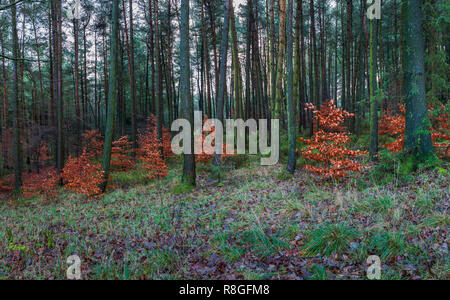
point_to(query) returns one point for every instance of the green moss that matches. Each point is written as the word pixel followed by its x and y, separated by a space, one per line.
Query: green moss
pixel 183 188
pixel 415 161
pixel 442 171
pixel 284 176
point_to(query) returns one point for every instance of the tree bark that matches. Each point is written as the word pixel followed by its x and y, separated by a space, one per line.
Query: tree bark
pixel 417 135
pixel 223 71
pixel 112 94
pixel 281 60
pixel 292 159
pixel 189 174
pixel 15 102
pixel 158 78
pixel 373 90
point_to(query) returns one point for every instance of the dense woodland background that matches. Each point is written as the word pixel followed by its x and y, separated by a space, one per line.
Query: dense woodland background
pixel 124 61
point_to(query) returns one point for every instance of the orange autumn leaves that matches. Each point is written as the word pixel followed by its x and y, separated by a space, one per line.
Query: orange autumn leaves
pixel 83 175
pixel 149 151
pixel 328 146
pixel 204 157
pixel 394 125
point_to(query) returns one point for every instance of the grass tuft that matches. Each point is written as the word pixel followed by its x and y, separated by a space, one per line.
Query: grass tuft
pixel 330 239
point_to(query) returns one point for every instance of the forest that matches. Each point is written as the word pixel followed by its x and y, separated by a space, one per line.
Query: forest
pixel 350 97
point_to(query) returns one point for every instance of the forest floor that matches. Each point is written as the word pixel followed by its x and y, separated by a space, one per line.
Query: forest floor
pixel 257 223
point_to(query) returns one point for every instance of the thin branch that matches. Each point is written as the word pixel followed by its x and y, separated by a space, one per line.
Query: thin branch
pixel 20 59
pixel 10 5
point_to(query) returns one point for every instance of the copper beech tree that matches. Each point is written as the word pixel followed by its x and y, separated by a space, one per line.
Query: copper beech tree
pixel 328 146
pixel 83 176
pixel 394 125
pixel 204 157
pixel 149 150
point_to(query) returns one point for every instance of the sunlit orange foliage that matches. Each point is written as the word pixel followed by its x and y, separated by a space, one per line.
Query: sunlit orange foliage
pixel 167 137
pixel 328 146
pixel 6 185
pixel 394 126
pixel 120 154
pixel 93 143
pixel 440 131
pixel 42 184
pixel 204 157
pixel 150 155
pixel 82 176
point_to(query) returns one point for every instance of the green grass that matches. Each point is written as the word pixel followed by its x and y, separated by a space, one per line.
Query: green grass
pixel 388 244
pixel 254 226
pixel 330 239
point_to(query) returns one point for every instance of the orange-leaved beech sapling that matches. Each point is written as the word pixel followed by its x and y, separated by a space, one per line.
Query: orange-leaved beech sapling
pixel 167 137
pixel 328 146
pixel 204 157
pixel 43 183
pixel 83 176
pixel 120 154
pixel 93 143
pixel 6 184
pixel 393 126
pixel 440 130
pixel 149 152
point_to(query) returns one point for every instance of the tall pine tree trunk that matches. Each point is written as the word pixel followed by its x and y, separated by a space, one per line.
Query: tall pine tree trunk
pixel 77 85
pixel 281 60
pixel 15 102
pixel 236 67
pixel 417 135
pixel 158 78
pixel 112 93
pixel 189 175
pixel 373 90
pixel 223 71
pixel 290 101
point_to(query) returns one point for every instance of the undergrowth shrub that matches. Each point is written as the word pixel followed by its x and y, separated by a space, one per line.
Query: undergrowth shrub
pixel 394 125
pixel 149 153
pixel 328 146
pixel 150 131
pixel 120 154
pixel 205 157
pixel 43 183
pixel 93 143
pixel 83 176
